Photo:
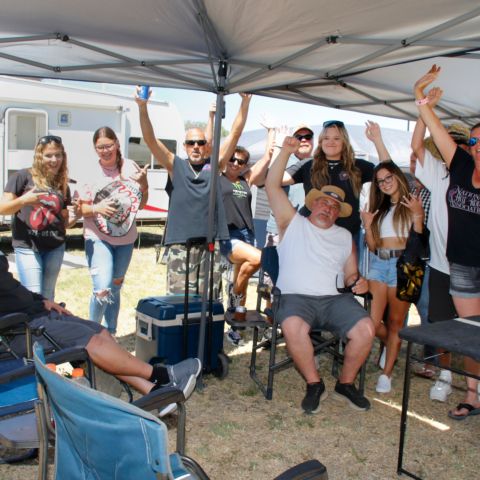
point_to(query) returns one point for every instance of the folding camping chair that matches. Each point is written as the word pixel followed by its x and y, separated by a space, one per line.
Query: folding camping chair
pixel 103 437
pixel 323 342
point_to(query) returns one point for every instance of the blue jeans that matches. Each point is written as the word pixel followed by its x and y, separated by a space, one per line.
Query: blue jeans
pixel 106 263
pixel 38 271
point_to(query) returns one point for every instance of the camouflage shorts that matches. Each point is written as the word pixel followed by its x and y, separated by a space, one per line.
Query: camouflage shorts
pixel 177 269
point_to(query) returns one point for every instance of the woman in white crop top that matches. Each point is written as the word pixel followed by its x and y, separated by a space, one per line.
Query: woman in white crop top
pixel 392 211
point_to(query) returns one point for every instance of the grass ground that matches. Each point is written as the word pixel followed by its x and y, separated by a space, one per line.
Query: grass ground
pixel 236 434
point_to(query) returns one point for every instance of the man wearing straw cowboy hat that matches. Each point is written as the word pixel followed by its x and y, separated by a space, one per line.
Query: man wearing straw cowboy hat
pixel 312 252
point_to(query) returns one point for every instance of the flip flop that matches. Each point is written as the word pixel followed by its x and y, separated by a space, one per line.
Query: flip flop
pixel 467 406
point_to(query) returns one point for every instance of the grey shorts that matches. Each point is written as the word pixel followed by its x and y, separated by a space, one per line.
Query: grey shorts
pixel 66 330
pixel 335 313
pixel 464 281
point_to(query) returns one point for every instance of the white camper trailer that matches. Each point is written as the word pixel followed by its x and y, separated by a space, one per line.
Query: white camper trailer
pixel 31 109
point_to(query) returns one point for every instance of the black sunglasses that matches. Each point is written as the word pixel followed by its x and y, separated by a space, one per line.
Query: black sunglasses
pixel 306 136
pixel 191 143
pixel 240 161
pixel 333 123
pixel 49 139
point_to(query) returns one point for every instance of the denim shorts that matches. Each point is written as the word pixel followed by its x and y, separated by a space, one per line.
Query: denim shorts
pixel 237 236
pixel 384 271
pixel 464 281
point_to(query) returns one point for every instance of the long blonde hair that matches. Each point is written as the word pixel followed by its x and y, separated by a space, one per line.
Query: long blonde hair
pixel 402 216
pixel 320 174
pixel 42 178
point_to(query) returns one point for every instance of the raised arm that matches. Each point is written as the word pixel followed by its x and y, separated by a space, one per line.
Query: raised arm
pixel 258 173
pixel 209 127
pixel 228 147
pixel 374 134
pixel 418 136
pixel 446 146
pixel 161 153
pixel 282 209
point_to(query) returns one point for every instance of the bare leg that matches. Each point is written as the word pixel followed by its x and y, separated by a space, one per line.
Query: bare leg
pixel 396 318
pixel 246 259
pixel 296 332
pixel 360 338
pixel 378 305
pixel 108 355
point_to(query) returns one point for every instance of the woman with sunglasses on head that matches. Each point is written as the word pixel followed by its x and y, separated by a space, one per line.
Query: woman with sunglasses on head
pixel 235 182
pixel 391 212
pixel 463 205
pixel 109 203
pixel 334 163
pixel 38 197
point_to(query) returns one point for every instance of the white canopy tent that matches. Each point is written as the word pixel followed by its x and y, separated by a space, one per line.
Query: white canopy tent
pixel 349 54
pixel 361 56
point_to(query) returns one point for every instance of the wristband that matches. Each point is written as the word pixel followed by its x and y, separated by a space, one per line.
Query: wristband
pixel 422 101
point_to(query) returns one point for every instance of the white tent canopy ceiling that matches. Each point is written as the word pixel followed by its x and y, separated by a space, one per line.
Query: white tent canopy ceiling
pixel 348 54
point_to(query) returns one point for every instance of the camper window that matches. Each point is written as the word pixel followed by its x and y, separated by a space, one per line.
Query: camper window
pixel 140 153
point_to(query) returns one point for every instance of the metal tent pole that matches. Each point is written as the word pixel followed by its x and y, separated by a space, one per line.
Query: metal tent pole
pixel 222 75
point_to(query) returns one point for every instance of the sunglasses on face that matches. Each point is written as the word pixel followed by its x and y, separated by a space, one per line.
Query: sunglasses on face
pixel 191 143
pixel 306 136
pixel 49 139
pixel 333 123
pixel 239 161
pixel 387 179
pixel 473 141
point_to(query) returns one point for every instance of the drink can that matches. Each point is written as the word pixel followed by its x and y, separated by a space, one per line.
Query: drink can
pixel 143 94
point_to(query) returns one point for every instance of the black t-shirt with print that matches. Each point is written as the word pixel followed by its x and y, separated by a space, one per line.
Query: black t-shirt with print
pixel 237 200
pixel 37 227
pixel 301 172
pixel 463 202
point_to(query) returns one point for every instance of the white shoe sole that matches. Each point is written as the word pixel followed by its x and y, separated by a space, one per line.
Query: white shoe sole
pixel 187 392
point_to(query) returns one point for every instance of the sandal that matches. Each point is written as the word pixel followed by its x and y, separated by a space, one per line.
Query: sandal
pixel 425 371
pixel 471 410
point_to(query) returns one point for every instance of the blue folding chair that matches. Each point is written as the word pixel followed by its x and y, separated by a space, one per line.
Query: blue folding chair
pixel 101 437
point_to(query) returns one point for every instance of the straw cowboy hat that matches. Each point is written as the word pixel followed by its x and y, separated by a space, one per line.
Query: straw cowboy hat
pixel 332 192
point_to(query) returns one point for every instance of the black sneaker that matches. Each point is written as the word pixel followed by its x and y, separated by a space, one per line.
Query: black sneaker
pixel 349 392
pixel 315 393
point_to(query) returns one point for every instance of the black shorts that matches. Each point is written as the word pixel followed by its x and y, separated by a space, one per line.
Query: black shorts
pixel 66 330
pixel 440 305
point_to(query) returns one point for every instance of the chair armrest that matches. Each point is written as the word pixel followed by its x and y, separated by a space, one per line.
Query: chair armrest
pixel 13 320
pixel 160 398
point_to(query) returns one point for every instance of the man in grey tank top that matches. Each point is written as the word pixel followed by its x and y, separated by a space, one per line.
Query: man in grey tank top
pixel 313 252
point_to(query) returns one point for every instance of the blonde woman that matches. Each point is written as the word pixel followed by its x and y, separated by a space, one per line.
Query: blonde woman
pixel 391 213
pixel 37 198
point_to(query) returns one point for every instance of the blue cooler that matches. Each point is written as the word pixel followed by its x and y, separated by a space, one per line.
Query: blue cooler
pixel 159 336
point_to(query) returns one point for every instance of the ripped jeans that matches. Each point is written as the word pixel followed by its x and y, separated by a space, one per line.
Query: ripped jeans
pixel 107 263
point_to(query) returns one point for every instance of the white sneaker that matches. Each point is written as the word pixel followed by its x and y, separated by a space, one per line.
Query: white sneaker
pixel 442 387
pixel 384 384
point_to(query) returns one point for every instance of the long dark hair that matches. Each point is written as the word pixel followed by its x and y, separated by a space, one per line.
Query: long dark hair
pixel 107 132
pixel 379 201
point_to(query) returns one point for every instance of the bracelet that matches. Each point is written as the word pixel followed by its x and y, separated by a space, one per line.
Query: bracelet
pixel 422 101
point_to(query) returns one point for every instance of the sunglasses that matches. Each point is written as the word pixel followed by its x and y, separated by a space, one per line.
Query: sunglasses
pixel 49 139
pixel 473 141
pixel 387 179
pixel 333 123
pixel 306 136
pixel 240 161
pixel 191 143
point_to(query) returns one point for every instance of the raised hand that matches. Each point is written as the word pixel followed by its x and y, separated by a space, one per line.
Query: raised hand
pixel 434 95
pixel 140 176
pixel 290 144
pixel 246 96
pixel 141 101
pixel 373 131
pixel 414 204
pixel 426 80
